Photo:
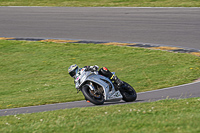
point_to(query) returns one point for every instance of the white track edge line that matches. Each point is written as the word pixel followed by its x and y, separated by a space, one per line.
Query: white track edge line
pixel 170 87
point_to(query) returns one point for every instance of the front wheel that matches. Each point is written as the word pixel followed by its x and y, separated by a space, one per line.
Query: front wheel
pixel 89 94
pixel 128 92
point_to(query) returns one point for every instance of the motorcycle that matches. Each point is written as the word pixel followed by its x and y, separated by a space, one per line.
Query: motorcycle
pixel 98 89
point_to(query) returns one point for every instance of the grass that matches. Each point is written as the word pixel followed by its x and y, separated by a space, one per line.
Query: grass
pixel 104 3
pixel 162 116
pixel 35 73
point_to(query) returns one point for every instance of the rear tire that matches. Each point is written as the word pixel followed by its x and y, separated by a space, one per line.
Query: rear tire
pixel 128 92
pixel 93 98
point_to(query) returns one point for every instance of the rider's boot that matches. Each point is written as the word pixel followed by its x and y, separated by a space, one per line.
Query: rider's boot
pixel 104 71
pixel 117 81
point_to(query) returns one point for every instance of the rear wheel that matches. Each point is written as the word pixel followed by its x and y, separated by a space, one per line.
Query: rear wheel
pixel 89 94
pixel 128 92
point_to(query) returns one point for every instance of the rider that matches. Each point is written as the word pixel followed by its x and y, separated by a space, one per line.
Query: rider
pixel 74 69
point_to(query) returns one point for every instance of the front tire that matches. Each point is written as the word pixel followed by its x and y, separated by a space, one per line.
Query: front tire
pixel 97 99
pixel 128 92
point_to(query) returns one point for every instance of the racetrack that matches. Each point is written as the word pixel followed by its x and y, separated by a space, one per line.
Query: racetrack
pixel 182 91
pixel 164 26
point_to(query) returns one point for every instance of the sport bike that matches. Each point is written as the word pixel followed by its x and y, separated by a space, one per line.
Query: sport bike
pixel 98 89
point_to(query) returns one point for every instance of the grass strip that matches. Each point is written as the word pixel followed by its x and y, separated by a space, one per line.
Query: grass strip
pixel 104 3
pixel 35 73
pixel 162 116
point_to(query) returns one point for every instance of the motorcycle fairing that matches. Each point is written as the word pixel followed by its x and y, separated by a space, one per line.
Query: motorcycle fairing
pixel 100 80
pixel 108 95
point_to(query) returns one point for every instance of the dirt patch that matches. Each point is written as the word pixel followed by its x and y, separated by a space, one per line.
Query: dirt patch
pixel 197 80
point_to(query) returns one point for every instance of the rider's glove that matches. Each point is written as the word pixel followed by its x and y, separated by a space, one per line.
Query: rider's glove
pixel 91 68
pixel 95 68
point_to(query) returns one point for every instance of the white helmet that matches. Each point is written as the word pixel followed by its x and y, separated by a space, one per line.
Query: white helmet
pixel 73 70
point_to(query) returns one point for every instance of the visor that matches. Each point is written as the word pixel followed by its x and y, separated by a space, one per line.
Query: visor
pixel 74 72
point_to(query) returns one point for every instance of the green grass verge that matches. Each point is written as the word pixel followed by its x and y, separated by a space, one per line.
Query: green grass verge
pixel 35 73
pixel 161 116
pixel 104 3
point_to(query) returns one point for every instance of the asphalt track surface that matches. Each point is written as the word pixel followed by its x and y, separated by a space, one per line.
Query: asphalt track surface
pixel 166 26
pixel 162 26
pixel 177 92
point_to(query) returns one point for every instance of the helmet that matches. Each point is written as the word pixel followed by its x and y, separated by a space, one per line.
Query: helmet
pixel 73 70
